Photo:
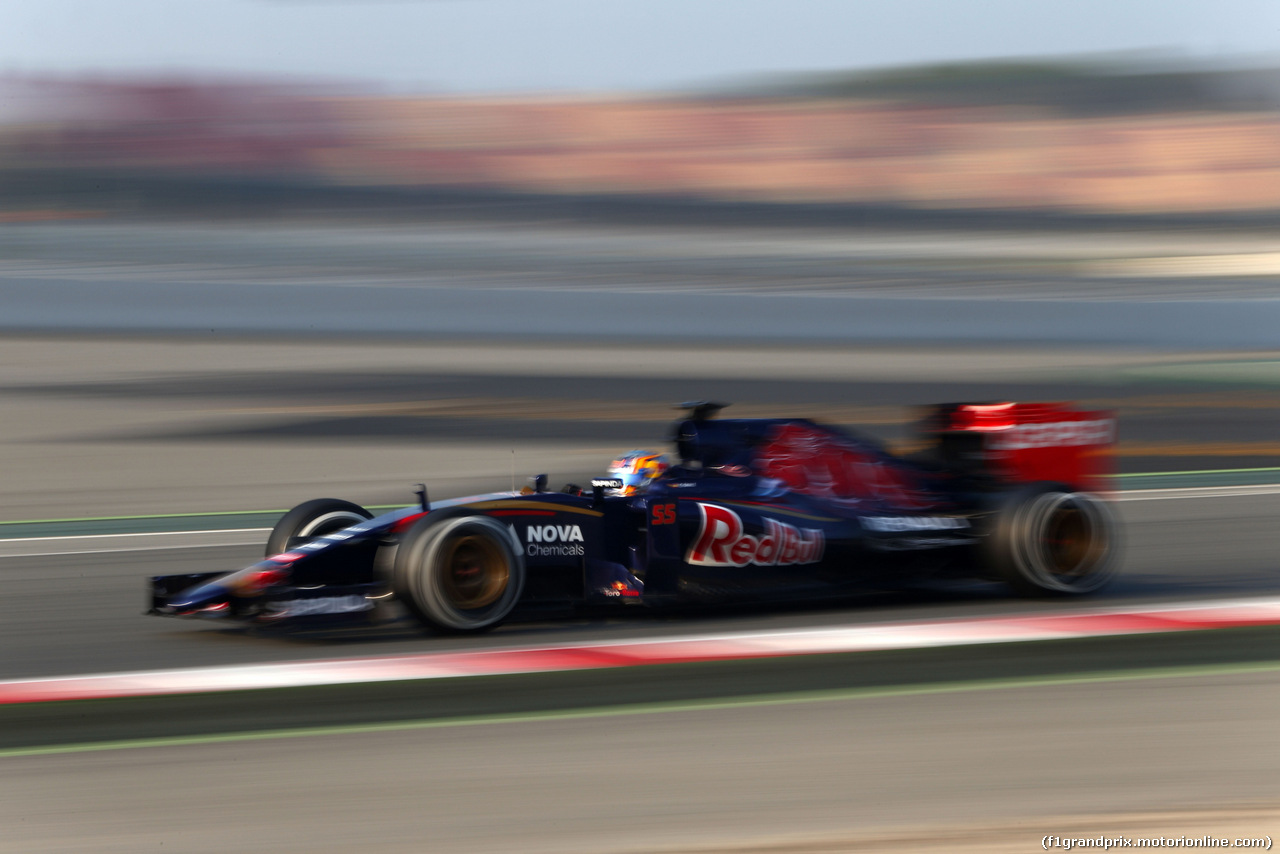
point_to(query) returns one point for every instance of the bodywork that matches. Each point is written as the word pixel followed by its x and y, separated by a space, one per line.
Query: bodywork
pixel 755 509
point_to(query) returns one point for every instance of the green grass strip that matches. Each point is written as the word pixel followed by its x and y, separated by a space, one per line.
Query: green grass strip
pixel 740 702
pixel 1199 471
pixel 146 517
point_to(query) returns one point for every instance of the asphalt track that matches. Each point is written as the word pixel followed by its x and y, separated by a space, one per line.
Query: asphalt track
pixel 955 766
pixel 154 426
pixel 79 613
pixel 101 426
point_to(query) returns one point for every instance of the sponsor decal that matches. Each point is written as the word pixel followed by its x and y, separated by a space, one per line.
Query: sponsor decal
pixel 1057 435
pixel 322 605
pixel 617 589
pixel 663 514
pixel 904 544
pixel 722 541
pixel 733 470
pixel 553 534
pixel 606 482
pixel 895 524
pixel 554 541
pixel 320 543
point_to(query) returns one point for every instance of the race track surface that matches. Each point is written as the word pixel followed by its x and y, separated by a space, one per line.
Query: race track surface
pixel 154 368
pixel 81 613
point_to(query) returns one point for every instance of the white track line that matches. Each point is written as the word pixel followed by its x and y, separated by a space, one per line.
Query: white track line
pixel 106 543
pixel 1197 492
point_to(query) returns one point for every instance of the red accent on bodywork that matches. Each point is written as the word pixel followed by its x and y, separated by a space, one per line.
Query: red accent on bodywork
pixel 251 582
pixel 982 417
pixel 814 462
pixel 406 522
pixel 1032 442
pixel 1027 442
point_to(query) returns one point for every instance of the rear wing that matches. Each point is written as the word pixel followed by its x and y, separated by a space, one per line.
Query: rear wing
pixel 1025 442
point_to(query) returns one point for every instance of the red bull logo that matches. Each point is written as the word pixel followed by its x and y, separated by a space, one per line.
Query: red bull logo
pixel 721 541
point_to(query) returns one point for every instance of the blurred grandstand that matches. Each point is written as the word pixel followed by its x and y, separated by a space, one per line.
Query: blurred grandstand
pixel 1061 138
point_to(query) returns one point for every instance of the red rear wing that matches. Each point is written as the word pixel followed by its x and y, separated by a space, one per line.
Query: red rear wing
pixel 1026 442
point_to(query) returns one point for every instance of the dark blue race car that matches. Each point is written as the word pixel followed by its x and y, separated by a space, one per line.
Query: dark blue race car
pixel 751 510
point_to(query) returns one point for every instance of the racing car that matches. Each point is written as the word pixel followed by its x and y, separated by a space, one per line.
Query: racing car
pixel 746 509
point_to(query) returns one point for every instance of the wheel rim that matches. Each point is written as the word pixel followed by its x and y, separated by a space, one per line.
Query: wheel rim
pixel 1071 545
pixel 475 572
pixel 1067 542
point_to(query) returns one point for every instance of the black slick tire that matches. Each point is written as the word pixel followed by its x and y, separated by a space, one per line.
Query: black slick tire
pixel 1048 540
pixel 460 574
pixel 313 519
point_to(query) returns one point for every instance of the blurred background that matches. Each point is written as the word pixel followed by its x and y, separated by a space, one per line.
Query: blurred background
pixel 1087 135
pixel 257 251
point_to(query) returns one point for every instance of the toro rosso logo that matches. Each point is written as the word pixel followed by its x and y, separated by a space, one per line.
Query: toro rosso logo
pixel 722 542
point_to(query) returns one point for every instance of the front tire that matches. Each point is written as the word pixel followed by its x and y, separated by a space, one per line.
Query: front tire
pixel 457 575
pixel 313 519
pixel 1047 540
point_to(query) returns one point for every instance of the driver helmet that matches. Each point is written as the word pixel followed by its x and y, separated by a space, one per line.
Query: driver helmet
pixel 636 470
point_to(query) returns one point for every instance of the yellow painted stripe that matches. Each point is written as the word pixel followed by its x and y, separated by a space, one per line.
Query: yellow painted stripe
pixel 515 504
pixel 1199 449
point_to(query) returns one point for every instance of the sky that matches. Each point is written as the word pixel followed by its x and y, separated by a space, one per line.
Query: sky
pixel 520 46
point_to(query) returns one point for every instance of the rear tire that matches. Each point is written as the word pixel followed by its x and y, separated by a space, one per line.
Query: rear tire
pixel 1047 540
pixel 458 575
pixel 313 519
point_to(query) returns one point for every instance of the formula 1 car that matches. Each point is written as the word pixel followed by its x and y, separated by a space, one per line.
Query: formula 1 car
pixel 754 509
